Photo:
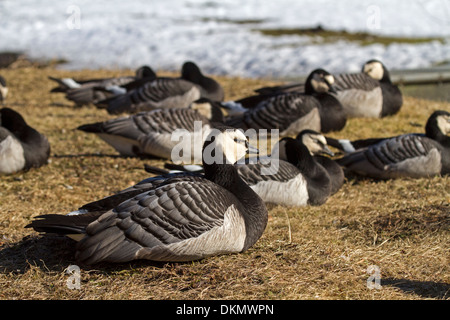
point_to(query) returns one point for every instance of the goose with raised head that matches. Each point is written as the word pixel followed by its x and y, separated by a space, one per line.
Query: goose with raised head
pixel 21 146
pixel 181 218
pixel 407 155
pixel 369 93
pixel 165 92
pixel 151 133
pixel 293 112
pixel 91 91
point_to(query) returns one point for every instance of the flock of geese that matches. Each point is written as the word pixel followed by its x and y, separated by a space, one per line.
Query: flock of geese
pixel 189 212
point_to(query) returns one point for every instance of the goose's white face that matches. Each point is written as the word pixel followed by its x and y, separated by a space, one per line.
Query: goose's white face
pixel 374 70
pixel 316 143
pixel 443 123
pixel 321 83
pixel 230 145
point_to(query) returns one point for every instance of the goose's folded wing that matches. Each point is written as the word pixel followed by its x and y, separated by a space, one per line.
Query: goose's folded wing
pixel 408 155
pixel 155 220
pixel 358 81
pixel 269 170
pixel 278 112
pixel 110 202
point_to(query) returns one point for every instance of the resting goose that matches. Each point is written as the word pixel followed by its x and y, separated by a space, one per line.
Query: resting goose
pixel 408 155
pixel 84 92
pixel 182 218
pixel 21 146
pixel 369 93
pixel 290 176
pixel 166 92
pixel 335 172
pixel 3 89
pixel 154 133
pixel 293 112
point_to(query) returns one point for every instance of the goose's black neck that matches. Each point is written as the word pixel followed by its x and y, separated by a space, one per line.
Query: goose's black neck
pixel 298 154
pixel 255 211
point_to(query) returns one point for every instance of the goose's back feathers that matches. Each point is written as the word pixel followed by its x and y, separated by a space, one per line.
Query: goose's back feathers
pixel 403 156
pixel 166 92
pixel 151 133
pixel 290 113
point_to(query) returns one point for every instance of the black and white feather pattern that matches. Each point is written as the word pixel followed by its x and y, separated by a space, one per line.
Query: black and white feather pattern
pixel 290 113
pixel 150 133
pixel 359 94
pixel 403 156
pixel 166 92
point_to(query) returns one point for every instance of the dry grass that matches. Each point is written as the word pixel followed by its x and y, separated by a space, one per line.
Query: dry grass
pixel 401 226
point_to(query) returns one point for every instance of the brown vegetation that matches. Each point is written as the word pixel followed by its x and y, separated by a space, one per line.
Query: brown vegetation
pixel 401 226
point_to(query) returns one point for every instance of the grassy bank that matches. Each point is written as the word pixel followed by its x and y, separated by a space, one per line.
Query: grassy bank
pixel 324 252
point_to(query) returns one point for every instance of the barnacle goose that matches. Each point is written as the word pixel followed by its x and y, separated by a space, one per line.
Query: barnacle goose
pixel 179 218
pixel 151 133
pixel 21 146
pixel 293 112
pixel 369 93
pixel 290 176
pixel 335 171
pixel 164 92
pixel 408 155
pixel 84 92
pixel 3 89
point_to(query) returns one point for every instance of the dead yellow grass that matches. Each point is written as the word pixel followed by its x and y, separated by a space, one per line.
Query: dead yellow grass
pixel 324 252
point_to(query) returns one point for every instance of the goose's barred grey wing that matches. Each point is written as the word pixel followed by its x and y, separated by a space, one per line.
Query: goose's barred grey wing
pixel 159 93
pixel 278 112
pixel 358 81
pixel 398 149
pixel 276 170
pixel 110 202
pixel 151 224
pixel 408 155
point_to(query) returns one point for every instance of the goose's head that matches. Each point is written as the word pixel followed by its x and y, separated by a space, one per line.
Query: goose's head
pixel 319 81
pixel 212 110
pixel 376 70
pixel 226 145
pixel 145 72
pixel 315 142
pixel 438 123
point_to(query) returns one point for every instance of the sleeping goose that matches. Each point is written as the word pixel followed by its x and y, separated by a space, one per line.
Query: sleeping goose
pixel 21 146
pixel 3 89
pixel 151 133
pixel 84 92
pixel 181 218
pixel 290 176
pixel 293 112
pixel 166 92
pixel 408 155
